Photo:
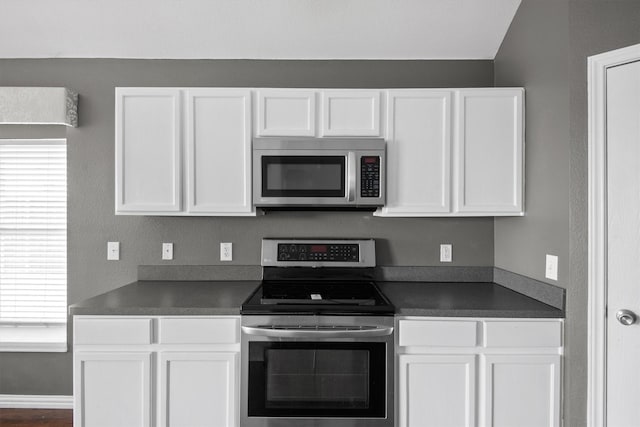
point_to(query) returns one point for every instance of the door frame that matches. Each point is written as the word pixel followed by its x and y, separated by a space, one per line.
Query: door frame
pixel 597 228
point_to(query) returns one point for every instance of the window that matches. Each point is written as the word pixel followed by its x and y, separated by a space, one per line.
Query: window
pixel 33 245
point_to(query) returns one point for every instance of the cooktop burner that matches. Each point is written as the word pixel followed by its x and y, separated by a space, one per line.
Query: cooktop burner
pixel 296 282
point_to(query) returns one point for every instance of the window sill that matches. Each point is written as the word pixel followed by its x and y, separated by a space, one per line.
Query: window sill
pixel 33 338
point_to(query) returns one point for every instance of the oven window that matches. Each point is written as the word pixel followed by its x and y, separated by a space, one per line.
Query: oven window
pixel 302 379
pixel 303 176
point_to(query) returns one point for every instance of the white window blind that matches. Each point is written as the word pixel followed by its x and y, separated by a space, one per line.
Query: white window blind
pixel 33 231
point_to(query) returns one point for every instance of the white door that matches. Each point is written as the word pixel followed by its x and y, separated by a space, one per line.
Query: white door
pixel 521 390
pixel 219 151
pixel 112 389
pixel 437 390
pixel 623 212
pixel 148 150
pixel 198 389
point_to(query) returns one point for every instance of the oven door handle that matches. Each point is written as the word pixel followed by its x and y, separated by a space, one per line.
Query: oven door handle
pixel 330 332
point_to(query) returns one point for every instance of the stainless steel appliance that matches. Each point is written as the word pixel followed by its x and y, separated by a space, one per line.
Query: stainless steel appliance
pixel 312 172
pixel 317 340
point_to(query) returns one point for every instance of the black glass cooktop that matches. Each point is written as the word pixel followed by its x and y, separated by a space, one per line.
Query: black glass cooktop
pixel 321 295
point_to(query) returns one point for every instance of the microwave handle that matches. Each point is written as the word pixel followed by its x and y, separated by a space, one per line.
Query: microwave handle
pixel 351 176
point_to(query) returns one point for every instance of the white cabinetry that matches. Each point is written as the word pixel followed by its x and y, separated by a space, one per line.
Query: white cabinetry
pixel 213 177
pixel 418 152
pixel 509 368
pixel 169 371
pixel 197 389
pixel 437 390
pixel 522 390
pixel 286 112
pixel 350 113
pixel 112 389
pixel 489 151
pixel 342 113
pixel 148 150
pixel 455 152
pixel 219 151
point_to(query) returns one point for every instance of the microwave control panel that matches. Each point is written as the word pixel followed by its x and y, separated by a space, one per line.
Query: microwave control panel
pixel 333 252
pixel 370 176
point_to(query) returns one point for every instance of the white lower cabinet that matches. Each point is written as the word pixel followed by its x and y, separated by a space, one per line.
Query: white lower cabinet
pixel 522 390
pixel 501 373
pixel 112 389
pixel 437 390
pixel 197 389
pixel 169 375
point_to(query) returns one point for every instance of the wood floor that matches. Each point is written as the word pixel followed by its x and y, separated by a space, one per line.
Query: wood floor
pixel 36 417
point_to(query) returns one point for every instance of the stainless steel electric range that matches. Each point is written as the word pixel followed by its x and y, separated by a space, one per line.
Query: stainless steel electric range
pixel 317 338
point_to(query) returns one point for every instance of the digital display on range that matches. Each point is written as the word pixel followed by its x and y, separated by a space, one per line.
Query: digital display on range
pixel 319 248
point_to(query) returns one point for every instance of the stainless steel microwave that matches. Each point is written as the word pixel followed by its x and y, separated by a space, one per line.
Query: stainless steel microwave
pixel 316 172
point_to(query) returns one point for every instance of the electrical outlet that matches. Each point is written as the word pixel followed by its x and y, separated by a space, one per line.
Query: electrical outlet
pixel 226 251
pixel 167 251
pixel 446 252
pixel 113 251
pixel 551 267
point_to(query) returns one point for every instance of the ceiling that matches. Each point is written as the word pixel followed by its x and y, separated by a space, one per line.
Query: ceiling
pixel 254 29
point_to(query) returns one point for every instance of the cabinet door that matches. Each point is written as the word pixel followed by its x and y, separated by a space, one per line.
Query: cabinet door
pixel 351 113
pixel 489 151
pixel 522 390
pixel 198 389
pixel 148 147
pixel 437 390
pixel 418 153
pixel 219 151
pixel 112 389
pixel 286 112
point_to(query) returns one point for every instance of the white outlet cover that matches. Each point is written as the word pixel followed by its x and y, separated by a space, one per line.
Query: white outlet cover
pixel 446 252
pixel 113 251
pixel 226 251
pixel 551 267
pixel 167 251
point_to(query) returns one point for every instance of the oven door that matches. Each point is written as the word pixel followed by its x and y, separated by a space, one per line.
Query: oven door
pixel 308 374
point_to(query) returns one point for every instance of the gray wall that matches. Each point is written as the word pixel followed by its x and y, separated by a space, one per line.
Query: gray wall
pixel 546 50
pixel 92 223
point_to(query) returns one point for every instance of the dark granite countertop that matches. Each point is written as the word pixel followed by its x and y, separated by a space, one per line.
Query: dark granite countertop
pixel 169 298
pixel 451 299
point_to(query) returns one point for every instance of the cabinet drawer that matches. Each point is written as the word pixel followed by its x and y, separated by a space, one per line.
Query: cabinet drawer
pixel 112 331
pixel 437 333
pixel 198 331
pixel 523 334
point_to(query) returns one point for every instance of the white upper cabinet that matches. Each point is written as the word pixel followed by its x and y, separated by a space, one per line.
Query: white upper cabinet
pixel 148 150
pixel 218 151
pixel 418 152
pixel 200 168
pixel 489 151
pixel 350 113
pixel 286 112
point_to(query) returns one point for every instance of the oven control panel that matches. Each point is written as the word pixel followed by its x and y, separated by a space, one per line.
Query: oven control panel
pixel 332 252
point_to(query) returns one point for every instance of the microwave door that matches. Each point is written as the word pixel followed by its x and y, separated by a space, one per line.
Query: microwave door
pixel 306 180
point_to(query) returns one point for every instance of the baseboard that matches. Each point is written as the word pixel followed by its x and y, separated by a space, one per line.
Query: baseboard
pixel 29 401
